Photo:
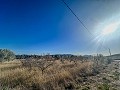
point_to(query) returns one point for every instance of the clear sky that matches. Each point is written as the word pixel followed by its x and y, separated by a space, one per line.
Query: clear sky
pixel 48 26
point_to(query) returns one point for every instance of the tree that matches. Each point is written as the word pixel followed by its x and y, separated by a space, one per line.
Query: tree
pixel 6 55
pixel 42 64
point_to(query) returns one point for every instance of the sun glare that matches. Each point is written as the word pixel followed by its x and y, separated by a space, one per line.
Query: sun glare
pixel 107 31
pixel 111 28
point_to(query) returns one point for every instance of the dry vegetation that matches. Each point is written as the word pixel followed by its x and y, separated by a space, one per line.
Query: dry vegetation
pixel 44 74
pixel 39 75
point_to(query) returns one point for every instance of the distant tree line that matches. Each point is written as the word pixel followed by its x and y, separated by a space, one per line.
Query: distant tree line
pixel 48 56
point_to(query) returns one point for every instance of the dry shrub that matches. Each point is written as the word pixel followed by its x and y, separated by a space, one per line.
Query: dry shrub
pixel 58 76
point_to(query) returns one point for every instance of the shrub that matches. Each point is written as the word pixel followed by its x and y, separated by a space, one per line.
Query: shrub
pixel 104 86
pixel 6 55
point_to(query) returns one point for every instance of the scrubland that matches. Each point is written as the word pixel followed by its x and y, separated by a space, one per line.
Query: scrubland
pixel 59 75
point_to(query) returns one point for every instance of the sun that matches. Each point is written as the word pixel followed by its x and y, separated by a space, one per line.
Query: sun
pixel 111 28
pixel 107 31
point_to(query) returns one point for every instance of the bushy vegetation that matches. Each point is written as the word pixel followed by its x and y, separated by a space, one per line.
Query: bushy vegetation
pixel 104 86
pixel 65 72
pixel 57 76
pixel 6 55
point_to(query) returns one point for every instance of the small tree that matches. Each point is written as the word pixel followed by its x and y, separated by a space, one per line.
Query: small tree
pixel 6 55
pixel 43 65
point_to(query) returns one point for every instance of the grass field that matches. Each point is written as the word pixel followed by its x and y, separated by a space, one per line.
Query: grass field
pixel 59 76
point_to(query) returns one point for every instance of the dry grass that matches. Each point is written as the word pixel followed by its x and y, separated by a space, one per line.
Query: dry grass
pixel 59 76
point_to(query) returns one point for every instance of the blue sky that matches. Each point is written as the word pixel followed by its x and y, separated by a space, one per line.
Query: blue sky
pixel 48 26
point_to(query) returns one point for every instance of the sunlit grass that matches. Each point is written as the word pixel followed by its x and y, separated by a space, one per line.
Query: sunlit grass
pixel 56 76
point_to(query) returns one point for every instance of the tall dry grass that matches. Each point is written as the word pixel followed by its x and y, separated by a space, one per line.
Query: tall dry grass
pixel 59 76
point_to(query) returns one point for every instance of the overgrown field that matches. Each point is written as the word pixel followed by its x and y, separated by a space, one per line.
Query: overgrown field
pixel 58 76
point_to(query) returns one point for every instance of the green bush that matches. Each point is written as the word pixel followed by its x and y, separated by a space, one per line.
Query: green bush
pixel 104 86
pixel 6 55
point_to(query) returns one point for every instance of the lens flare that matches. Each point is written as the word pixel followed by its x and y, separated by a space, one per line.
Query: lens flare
pixel 106 31
pixel 111 28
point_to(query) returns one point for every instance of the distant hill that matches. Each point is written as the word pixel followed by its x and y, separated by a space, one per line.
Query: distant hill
pixel 114 56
